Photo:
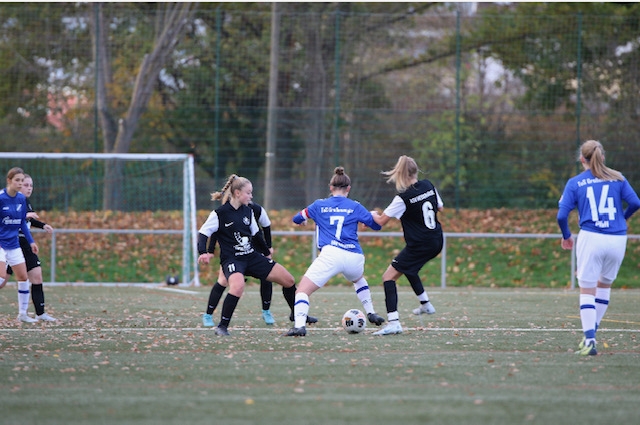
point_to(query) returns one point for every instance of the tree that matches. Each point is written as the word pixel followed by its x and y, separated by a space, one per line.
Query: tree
pixel 118 127
pixel 38 61
pixel 576 60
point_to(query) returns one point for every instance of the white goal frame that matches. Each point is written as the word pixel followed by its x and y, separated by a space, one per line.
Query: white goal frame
pixel 190 274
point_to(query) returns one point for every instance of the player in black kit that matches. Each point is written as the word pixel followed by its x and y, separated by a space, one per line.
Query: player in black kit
pixel 266 287
pixel 416 204
pixel 243 250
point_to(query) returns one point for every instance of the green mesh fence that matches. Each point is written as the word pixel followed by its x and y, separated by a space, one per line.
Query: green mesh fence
pixel 493 104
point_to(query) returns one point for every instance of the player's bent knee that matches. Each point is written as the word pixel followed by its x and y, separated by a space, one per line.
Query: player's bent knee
pixel 281 276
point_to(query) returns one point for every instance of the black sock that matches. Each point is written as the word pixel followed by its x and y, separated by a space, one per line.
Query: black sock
pixel 228 307
pixel 214 297
pixel 416 284
pixel 37 296
pixel 290 296
pixel 391 295
pixel 266 293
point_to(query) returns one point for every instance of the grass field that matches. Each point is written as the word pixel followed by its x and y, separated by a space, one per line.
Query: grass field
pixel 139 355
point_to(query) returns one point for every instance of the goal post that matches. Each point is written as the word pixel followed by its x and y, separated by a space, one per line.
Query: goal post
pixel 126 183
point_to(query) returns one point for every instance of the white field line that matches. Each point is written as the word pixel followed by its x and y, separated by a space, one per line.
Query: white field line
pixel 271 329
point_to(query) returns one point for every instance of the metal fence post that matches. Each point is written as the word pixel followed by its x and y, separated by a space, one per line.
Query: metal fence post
pixel 443 262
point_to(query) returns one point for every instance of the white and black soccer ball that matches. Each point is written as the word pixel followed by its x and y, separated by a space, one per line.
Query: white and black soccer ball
pixel 354 321
pixel 172 280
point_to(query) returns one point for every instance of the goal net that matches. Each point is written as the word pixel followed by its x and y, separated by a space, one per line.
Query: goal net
pixel 119 218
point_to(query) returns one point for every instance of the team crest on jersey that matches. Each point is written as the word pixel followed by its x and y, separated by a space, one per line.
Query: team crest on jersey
pixel 246 221
pixel 243 246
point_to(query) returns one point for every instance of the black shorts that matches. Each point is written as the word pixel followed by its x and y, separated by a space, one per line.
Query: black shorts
pixel 32 261
pixel 254 265
pixel 411 259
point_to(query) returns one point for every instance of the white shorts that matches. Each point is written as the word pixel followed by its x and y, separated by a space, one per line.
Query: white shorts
pixel 12 257
pixel 599 257
pixel 333 261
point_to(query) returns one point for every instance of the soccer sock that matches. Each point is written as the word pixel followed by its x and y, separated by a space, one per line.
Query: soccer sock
pixel 23 296
pixel 2 280
pixel 418 288
pixel 290 297
pixel 602 302
pixel 228 307
pixel 588 316
pixel 214 297
pixel 391 297
pixel 416 284
pixel 364 295
pixel 37 296
pixel 266 293
pixel 300 310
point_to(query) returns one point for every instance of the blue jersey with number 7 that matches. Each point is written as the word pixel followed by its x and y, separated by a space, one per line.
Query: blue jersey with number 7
pixel 599 203
pixel 337 219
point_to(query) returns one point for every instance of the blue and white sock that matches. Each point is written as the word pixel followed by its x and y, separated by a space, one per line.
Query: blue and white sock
pixel 24 296
pixel 602 303
pixel 300 310
pixel 364 295
pixel 588 316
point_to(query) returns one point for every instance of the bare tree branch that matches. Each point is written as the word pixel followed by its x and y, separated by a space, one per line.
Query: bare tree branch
pixel 172 28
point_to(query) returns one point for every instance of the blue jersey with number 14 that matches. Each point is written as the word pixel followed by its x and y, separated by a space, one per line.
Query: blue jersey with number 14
pixel 599 204
pixel 337 219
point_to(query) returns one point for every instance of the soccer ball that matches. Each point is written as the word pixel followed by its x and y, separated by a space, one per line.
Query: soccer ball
pixel 172 280
pixel 354 321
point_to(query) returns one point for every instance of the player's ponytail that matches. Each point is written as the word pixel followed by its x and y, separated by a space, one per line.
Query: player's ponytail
pixel 593 154
pixel 234 182
pixel 403 173
pixel 224 193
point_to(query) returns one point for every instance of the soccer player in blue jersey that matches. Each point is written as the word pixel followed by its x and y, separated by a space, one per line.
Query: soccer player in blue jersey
pixel 416 204
pixel 13 220
pixel 243 249
pixel 597 193
pixel 337 218
pixel 34 268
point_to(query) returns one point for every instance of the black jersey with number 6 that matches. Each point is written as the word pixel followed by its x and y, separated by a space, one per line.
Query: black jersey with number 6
pixel 420 218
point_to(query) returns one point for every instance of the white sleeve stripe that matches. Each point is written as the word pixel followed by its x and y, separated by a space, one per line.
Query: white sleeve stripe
pixel 396 208
pixel 264 219
pixel 440 203
pixel 254 225
pixel 211 225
